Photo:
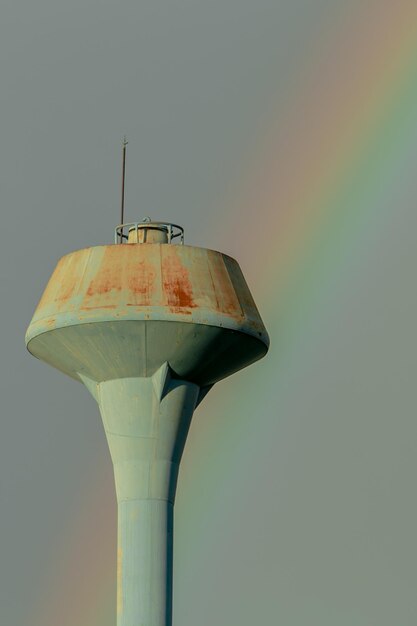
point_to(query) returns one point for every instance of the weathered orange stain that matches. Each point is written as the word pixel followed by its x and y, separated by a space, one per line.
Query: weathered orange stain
pixel 176 283
pixel 64 282
pixel 108 276
pixel 155 279
pixel 67 288
pixel 104 282
pixel 99 306
pixel 67 278
pixel 141 283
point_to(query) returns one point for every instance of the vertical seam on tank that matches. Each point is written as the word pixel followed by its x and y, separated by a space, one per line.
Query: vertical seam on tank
pixel 161 277
pixel 212 282
pixel 145 332
pixel 235 290
pixel 84 268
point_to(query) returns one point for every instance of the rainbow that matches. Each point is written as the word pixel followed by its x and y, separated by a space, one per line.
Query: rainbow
pixel 334 141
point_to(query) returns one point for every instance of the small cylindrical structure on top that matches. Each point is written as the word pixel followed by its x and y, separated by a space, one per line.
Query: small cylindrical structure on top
pixel 148 231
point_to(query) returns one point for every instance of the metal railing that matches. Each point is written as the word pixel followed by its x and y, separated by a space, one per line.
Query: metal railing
pixel 173 230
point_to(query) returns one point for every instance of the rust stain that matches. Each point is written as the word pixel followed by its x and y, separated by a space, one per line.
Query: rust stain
pixel 68 288
pixel 98 306
pixel 105 281
pixel 64 282
pixel 176 283
pixel 68 277
pixel 108 275
pixel 171 277
pixel 141 283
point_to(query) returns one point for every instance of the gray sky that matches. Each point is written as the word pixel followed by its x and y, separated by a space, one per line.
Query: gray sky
pixel 310 521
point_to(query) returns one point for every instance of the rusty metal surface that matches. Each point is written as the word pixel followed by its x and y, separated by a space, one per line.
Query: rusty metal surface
pixel 154 282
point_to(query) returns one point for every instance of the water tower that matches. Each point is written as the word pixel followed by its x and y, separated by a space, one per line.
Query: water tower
pixel 149 325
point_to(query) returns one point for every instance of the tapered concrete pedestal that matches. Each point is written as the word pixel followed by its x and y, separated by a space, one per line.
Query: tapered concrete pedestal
pixel 146 422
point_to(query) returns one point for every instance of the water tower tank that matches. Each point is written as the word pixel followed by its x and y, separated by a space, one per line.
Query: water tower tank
pixel 148 325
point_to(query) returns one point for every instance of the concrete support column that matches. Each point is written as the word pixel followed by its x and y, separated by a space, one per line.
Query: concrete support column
pixel 144 563
pixel 146 422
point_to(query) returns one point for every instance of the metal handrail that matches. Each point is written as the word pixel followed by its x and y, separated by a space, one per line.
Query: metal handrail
pixel 174 230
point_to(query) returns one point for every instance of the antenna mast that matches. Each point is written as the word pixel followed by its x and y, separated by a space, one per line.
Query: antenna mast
pixel 122 203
